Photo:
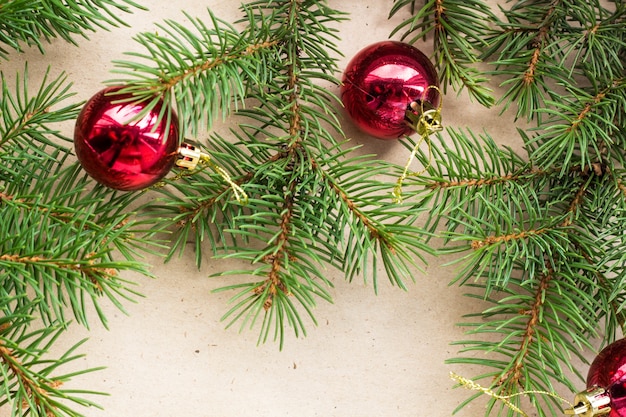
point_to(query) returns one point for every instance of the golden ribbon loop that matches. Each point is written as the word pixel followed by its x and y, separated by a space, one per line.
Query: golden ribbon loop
pixel 506 399
pixel 240 194
pixel 190 155
pixel 425 122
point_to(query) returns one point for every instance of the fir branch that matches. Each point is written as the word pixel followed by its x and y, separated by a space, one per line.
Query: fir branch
pixel 580 129
pixel 459 29
pixel 596 41
pixel 26 117
pixel 304 194
pixel 528 55
pixel 543 322
pixel 544 257
pixel 514 376
pixel 290 264
pixel 198 203
pixel 602 217
pixel 377 229
pixel 541 239
pixel 66 272
pixel 288 271
pixel 611 295
pixel 33 22
pixel 290 102
pixel 535 42
pixel 204 71
pixel 58 231
pixel 465 171
pixel 32 384
pixel 567 221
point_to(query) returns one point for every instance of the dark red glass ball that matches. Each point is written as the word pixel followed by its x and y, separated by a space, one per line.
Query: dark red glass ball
pixel 379 84
pixel 120 150
pixel 608 371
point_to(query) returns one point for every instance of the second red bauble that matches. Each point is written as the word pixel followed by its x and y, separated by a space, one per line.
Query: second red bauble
pixel 608 371
pixel 381 82
pixel 120 147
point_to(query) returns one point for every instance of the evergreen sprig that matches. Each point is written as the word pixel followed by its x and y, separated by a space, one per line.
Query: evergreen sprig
pixel 540 46
pixel 28 117
pixel 204 69
pixel 34 22
pixel 311 203
pixel 540 248
pixel 32 383
pixel 537 235
pixel 582 127
pixel 59 234
pixel 459 29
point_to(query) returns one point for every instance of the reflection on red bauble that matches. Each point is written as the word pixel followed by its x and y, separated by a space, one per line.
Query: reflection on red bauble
pixel 120 150
pixel 380 83
pixel 608 370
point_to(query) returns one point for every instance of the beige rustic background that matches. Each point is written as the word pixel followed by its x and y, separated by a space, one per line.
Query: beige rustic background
pixel 370 356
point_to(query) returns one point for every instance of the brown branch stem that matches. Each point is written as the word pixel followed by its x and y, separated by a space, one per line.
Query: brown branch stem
pixel 89 270
pixel 32 388
pixel 576 202
pixel 514 375
pixel 274 283
pixel 207 65
pixel 539 43
pixel 587 109
pixel 23 122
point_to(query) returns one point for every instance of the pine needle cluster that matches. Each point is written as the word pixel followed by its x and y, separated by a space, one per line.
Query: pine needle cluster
pixel 538 236
pixel 312 203
pixel 26 23
pixel 58 236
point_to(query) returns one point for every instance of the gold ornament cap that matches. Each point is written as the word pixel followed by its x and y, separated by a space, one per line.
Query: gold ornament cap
pixel 594 401
pixel 424 118
pixel 189 156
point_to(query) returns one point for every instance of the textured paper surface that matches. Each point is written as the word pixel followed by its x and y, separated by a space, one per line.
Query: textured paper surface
pixel 370 356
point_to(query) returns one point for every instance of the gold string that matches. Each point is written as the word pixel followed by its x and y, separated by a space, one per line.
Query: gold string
pixel 506 399
pixel 397 190
pixel 240 194
pixel 425 124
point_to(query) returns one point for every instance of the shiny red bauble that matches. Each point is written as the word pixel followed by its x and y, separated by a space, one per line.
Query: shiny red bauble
pixel 608 370
pixel 381 82
pixel 120 148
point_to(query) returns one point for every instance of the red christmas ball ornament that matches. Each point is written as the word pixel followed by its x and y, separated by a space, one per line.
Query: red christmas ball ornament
pixel 118 148
pixel 606 384
pixel 380 84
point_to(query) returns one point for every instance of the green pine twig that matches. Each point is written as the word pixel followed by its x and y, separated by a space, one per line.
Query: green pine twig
pixel 312 205
pixel 204 71
pixel 32 383
pixel 34 22
pixel 459 29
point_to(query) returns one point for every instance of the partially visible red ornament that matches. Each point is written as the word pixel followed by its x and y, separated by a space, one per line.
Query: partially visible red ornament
pixel 606 384
pixel 121 150
pixel 381 83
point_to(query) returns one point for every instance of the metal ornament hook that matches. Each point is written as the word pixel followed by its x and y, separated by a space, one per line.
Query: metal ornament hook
pixel 594 401
pixel 189 155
